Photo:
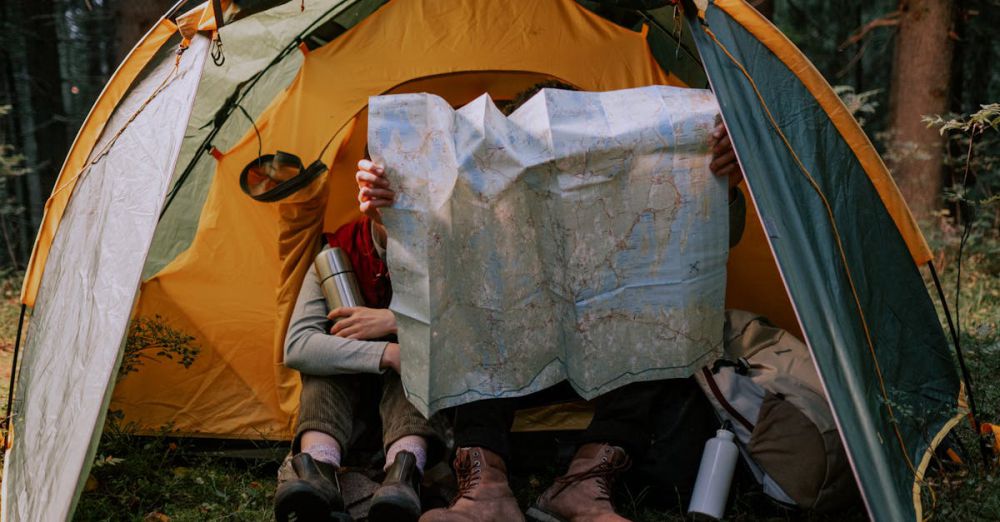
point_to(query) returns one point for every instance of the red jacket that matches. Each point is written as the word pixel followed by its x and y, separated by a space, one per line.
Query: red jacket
pixel 355 239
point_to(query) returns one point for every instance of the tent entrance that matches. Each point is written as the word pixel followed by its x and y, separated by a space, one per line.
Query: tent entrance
pixel 754 283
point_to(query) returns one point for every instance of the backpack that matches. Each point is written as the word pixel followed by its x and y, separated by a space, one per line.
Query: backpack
pixel 768 390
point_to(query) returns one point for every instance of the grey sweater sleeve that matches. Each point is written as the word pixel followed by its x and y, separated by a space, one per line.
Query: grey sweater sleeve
pixel 310 349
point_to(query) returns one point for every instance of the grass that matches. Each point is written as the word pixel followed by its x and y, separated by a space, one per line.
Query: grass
pixel 163 479
pixel 159 479
pixel 971 494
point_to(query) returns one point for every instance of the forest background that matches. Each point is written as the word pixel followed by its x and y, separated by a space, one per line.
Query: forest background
pixel 894 61
pixel 919 75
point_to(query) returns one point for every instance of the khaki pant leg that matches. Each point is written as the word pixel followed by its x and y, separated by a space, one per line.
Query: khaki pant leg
pixel 400 418
pixel 328 404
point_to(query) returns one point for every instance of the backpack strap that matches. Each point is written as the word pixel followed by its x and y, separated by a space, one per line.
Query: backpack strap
pixel 725 404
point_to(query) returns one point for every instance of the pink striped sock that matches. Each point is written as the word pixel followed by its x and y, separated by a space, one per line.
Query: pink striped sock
pixel 415 444
pixel 329 453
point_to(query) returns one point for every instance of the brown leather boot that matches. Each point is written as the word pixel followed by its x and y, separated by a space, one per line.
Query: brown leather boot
pixel 583 494
pixel 483 493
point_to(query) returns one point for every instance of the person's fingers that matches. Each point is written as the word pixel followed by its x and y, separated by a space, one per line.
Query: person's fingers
pixel 354 332
pixel 367 179
pixel 722 161
pixel 340 325
pixel 380 203
pixel 377 193
pixel 341 311
pixel 370 166
pixel 719 131
pixel 722 145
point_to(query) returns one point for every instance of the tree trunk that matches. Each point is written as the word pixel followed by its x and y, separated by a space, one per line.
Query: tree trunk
pixel 133 20
pixel 921 76
pixel 48 132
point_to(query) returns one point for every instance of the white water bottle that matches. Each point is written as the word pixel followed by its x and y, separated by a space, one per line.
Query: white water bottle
pixel 715 474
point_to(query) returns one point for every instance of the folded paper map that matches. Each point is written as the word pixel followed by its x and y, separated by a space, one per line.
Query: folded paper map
pixel 583 238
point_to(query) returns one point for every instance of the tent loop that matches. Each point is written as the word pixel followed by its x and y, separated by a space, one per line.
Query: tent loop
pixel 218 58
pixel 840 250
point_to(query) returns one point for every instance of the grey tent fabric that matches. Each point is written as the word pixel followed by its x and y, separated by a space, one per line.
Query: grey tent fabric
pixel 250 46
pixel 73 347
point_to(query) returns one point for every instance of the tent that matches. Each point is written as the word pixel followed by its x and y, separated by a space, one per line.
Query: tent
pixel 147 218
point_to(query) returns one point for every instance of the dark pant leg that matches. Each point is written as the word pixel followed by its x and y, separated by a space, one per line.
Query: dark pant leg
pixel 400 418
pixel 328 404
pixel 622 417
pixel 485 424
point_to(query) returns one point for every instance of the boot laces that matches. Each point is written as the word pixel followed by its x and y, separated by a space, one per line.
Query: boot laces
pixel 605 473
pixel 468 468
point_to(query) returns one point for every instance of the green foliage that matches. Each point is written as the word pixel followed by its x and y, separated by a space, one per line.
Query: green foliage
pixel 862 105
pixel 155 478
pixel 987 117
pixel 975 184
pixel 11 168
pixel 11 163
pixel 151 337
pixel 971 229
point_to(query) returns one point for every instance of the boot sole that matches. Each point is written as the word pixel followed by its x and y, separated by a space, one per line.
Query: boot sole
pixel 387 510
pixel 537 514
pixel 303 505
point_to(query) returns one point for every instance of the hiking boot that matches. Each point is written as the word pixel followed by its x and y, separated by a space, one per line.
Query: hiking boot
pixel 583 494
pixel 313 495
pixel 397 500
pixel 483 493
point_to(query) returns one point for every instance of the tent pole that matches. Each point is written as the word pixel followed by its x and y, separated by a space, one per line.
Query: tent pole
pixel 956 339
pixel 13 371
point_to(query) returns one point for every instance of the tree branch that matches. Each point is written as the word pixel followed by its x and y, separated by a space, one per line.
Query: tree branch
pixel 888 20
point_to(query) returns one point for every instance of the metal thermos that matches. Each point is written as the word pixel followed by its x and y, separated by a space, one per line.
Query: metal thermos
pixel 711 489
pixel 337 279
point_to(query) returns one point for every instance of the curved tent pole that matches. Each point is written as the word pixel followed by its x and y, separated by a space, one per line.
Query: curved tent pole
pixel 175 10
pixel 13 373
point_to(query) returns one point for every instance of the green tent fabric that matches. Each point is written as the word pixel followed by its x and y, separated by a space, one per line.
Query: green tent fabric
pixel 893 388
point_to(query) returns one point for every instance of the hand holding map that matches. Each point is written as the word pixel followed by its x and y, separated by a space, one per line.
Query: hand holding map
pixel 583 238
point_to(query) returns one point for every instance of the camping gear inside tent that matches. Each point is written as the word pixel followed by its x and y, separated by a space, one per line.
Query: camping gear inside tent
pixel 147 219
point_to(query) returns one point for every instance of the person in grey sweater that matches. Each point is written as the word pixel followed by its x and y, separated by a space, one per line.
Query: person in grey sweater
pixel 338 363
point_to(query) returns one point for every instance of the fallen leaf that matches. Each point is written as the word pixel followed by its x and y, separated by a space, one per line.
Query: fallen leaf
pixel 156 516
pixel 91 484
pixel 181 472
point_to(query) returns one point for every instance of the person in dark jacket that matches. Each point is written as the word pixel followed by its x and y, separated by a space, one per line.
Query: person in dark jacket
pixel 620 426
